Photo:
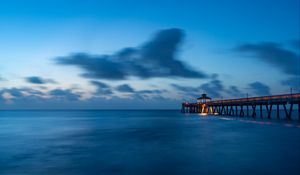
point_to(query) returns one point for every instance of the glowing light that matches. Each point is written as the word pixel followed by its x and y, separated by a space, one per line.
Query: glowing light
pixel 203 108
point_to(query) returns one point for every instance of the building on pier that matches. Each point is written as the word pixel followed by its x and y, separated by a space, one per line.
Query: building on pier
pixel 203 99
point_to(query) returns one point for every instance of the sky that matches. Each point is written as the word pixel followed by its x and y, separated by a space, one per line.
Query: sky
pixel 130 54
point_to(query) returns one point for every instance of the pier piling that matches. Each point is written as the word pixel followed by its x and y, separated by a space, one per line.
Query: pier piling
pixel 236 107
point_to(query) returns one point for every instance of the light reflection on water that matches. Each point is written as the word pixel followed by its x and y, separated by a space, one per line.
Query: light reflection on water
pixel 144 142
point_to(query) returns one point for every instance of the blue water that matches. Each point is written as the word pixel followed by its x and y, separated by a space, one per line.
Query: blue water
pixel 144 142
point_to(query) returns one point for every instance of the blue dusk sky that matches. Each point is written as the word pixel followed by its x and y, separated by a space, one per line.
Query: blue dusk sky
pixel 130 54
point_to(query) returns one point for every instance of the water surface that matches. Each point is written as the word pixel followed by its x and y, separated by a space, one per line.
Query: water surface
pixel 144 142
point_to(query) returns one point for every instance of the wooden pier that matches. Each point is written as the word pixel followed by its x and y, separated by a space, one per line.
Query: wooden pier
pixel 247 107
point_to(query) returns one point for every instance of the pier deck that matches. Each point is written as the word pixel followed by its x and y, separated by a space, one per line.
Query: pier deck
pixel 249 107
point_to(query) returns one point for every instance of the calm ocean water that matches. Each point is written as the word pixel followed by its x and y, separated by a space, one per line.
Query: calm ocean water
pixel 144 142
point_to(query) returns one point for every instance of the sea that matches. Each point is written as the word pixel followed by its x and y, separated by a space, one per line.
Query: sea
pixel 145 142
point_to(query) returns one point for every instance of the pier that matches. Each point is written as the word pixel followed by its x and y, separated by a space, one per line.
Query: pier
pixel 262 107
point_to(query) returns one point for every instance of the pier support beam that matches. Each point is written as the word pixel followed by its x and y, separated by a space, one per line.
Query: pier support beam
pixel 253 111
pixel 269 110
pixel 288 113
pixel 214 109
pixel 247 111
pixel 231 110
pixel 242 111
pixel 299 110
pixel 278 111
pixel 227 113
pixel 260 112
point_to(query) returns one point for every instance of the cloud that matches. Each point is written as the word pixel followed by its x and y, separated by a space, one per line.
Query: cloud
pixel 105 89
pixel 21 94
pixel 24 96
pixel 64 94
pixel 140 94
pixel 125 88
pixel 155 58
pixel 155 91
pixel 14 92
pixel 234 91
pixel 293 82
pixel 100 84
pixel 184 88
pixel 102 88
pixel 259 88
pixel 38 80
pixel 274 54
pixel 29 98
pixel 214 88
pixel 135 102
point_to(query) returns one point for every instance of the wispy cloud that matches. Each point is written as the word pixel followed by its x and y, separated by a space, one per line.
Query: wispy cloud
pixel 65 94
pixel 125 88
pixel 156 58
pixel 274 54
pixel 293 82
pixel 38 80
pixel 259 88
pixel 102 88
pixel 29 98
pixel 214 88
pixel 235 91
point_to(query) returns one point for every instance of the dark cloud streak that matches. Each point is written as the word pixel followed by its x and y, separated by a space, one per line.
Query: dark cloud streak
pixel 125 88
pixel 156 58
pixel 38 80
pixel 235 91
pixel 65 94
pixel 102 88
pixel 273 54
pixel 259 88
pixel 293 82
pixel 214 88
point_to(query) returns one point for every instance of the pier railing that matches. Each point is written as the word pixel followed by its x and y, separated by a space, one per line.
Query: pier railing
pixel 236 106
pixel 275 98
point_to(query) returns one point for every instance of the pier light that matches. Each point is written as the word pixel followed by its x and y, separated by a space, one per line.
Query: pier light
pixel 202 101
